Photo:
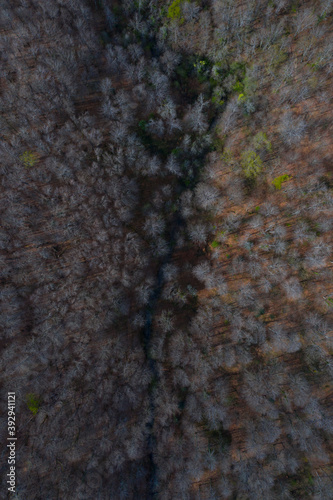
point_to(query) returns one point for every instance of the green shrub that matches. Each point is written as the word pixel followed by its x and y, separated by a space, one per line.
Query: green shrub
pixel 238 68
pixel 250 84
pixel 217 72
pixel 143 125
pixel 33 402
pixel 200 65
pixel 174 11
pixel 227 156
pixel 329 301
pixel 251 164
pixel 217 144
pixel 277 56
pixel 238 87
pixel 217 100
pixel 203 69
pixel 28 158
pixel 278 180
pixel 260 142
pixel 321 18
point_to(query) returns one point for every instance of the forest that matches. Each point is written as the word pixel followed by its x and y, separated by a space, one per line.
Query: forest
pixel 166 222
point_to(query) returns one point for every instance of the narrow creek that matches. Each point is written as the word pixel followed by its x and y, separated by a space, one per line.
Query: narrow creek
pixel 175 225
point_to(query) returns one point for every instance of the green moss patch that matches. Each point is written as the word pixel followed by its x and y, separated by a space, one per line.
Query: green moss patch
pixel 28 158
pixel 33 402
pixel 277 183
